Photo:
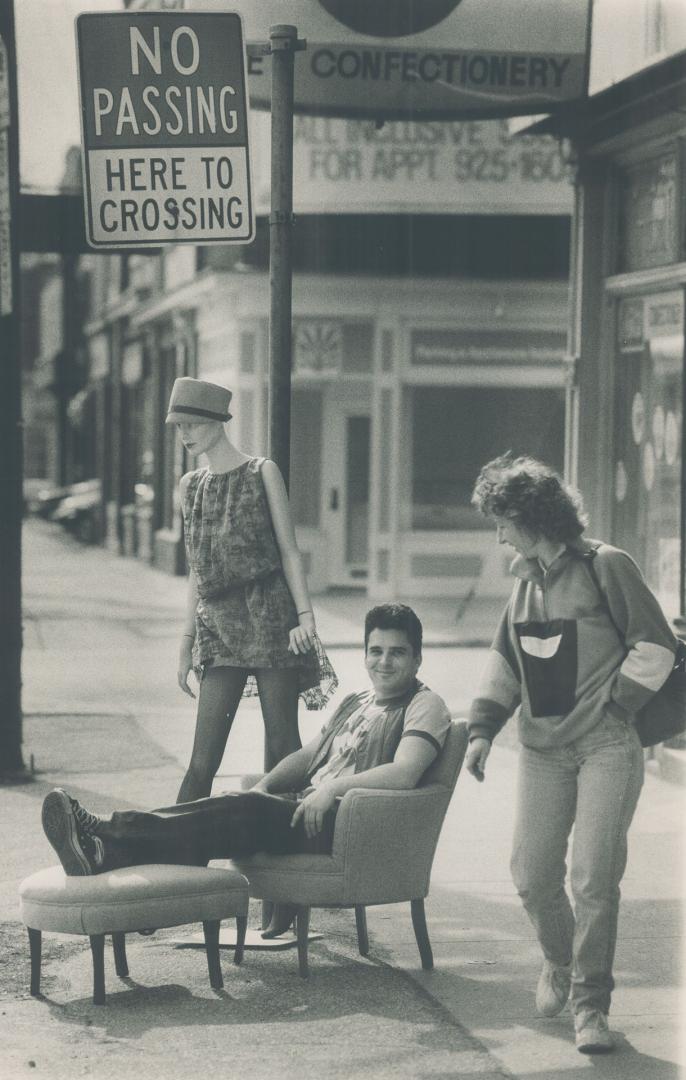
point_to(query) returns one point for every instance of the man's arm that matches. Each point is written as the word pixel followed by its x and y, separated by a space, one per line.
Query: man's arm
pixel 412 759
pixel 289 774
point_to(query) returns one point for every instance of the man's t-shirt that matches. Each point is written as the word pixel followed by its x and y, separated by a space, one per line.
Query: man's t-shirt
pixel 426 717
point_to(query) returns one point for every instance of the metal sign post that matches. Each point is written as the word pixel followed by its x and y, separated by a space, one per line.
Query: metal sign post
pixel 283 41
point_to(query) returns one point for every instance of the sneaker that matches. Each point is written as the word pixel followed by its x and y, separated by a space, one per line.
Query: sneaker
pixel 593 1035
pixel 553 988
pixel 69 828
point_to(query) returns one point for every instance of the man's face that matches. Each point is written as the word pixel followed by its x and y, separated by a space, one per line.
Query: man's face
pixel 391 663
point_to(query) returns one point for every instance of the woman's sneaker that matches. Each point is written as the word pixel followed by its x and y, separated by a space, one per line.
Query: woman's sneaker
pixel 69 828
pixel 593 1035
pixel 553 988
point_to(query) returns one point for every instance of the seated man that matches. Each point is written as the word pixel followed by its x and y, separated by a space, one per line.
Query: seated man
pixel 385 737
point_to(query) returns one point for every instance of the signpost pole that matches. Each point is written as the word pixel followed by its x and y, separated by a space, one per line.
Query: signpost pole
pixel 283 42
pixel 11 457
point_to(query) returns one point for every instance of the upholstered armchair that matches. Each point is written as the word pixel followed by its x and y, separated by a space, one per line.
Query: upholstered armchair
pixel 383 849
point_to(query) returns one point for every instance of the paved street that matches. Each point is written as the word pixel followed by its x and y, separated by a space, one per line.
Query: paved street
pixel 105 719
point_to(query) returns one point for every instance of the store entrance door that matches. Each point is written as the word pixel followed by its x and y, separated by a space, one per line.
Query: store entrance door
pixel 347 442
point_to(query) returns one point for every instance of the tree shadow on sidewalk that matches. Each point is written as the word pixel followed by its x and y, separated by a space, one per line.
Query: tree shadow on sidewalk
pixel 353 1017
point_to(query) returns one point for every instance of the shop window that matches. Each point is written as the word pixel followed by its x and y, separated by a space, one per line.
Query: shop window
pixel 455 430
pixel 357 348
pixel 248 351
pixel 649 214
pixel 306 456
pixel 648 427
pixel 328 346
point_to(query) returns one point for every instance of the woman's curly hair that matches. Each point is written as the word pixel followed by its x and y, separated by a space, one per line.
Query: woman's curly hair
pixel 532 495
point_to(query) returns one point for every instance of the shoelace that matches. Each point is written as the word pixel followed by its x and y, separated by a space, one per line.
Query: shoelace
pixel 85 819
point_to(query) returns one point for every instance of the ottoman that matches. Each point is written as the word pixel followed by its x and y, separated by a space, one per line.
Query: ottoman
pixel 136 898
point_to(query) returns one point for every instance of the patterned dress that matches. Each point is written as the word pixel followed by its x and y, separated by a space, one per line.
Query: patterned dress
pixel 245 608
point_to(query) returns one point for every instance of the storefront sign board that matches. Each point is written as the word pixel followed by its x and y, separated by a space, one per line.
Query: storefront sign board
pixel 431 167
pixel 438 58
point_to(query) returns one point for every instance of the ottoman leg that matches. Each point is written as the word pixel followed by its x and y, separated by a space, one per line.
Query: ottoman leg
pixel 241 927
pixel 98 950
pixel 211 930
pixel 362 935
pixel 119 946
pixel 35 948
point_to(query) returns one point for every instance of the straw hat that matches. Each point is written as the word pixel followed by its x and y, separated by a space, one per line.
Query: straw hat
pixel 196 399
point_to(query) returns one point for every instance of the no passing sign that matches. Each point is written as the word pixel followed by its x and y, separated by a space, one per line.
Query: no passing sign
pixel 164 128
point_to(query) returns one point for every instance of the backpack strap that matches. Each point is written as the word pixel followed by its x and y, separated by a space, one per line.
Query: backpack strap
pixel 589 559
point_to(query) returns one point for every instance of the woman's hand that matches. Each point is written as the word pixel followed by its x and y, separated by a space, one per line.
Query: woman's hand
pixel 185 664
pixel 478 752
pixel 301 637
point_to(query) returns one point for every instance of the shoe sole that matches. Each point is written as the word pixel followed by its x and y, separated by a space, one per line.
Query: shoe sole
pixel 595 1048
pixel 60 829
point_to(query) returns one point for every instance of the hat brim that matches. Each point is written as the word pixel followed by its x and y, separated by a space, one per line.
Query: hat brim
pixel 202 415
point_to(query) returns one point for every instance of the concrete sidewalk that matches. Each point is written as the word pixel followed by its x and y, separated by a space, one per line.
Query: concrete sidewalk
pixel 105 720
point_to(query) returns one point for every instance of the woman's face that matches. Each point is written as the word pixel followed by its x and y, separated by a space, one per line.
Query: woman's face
pixel 199 436
pixel 524 542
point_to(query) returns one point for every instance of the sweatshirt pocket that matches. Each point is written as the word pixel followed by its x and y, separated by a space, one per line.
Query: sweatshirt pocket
pixel 549 665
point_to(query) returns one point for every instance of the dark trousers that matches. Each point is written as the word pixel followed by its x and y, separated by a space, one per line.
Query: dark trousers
pixel 220 827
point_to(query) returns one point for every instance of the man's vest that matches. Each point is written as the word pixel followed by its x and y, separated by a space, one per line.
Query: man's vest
pixel 378 744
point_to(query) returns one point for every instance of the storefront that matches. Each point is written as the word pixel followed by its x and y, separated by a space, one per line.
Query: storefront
pixel 628 334
pixel 429 328
pixel 399 395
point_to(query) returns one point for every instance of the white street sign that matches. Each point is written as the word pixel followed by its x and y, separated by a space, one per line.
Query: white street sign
pixel 164 128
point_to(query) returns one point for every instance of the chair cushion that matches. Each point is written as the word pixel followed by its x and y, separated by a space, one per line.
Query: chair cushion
pixel 135 898
pixel 297 879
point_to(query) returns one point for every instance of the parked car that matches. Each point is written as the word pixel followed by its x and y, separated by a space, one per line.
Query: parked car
pixel 79 510
pixel 44 498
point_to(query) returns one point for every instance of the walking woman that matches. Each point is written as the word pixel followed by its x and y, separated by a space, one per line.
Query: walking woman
pixel 249 627
pixel 558 661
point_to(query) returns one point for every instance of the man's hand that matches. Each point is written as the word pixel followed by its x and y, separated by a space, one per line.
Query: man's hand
pixel 312 809
pixel 478 752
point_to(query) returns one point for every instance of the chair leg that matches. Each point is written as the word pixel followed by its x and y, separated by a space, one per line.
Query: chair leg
pixel 362 936
pixel 422 934
pixel 98 950
pixel 302 926
pixel 119 946
pixel 211 930
pixel 35 940
pixel 241 927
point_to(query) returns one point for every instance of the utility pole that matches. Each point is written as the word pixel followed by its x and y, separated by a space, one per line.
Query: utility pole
pixel 11 451
pixel 283 44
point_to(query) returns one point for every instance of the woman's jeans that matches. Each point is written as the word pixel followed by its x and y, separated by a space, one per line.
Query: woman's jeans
pixel 592 784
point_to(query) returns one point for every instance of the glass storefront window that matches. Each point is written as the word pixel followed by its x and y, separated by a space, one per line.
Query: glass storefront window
pixel 455 430
pixel 647 439
pixel 306 456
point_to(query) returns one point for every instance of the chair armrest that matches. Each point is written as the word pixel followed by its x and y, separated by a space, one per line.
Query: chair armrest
pixel 249 780
pixel 386 841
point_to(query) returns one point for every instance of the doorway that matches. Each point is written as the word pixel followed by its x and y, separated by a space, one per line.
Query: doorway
pixel 347 449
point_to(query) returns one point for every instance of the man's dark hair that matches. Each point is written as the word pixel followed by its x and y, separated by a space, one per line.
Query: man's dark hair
pixel 394 617
pixel 532 495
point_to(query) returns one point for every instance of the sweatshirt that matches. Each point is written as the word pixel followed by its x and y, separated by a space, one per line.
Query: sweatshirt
pixel 557 661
